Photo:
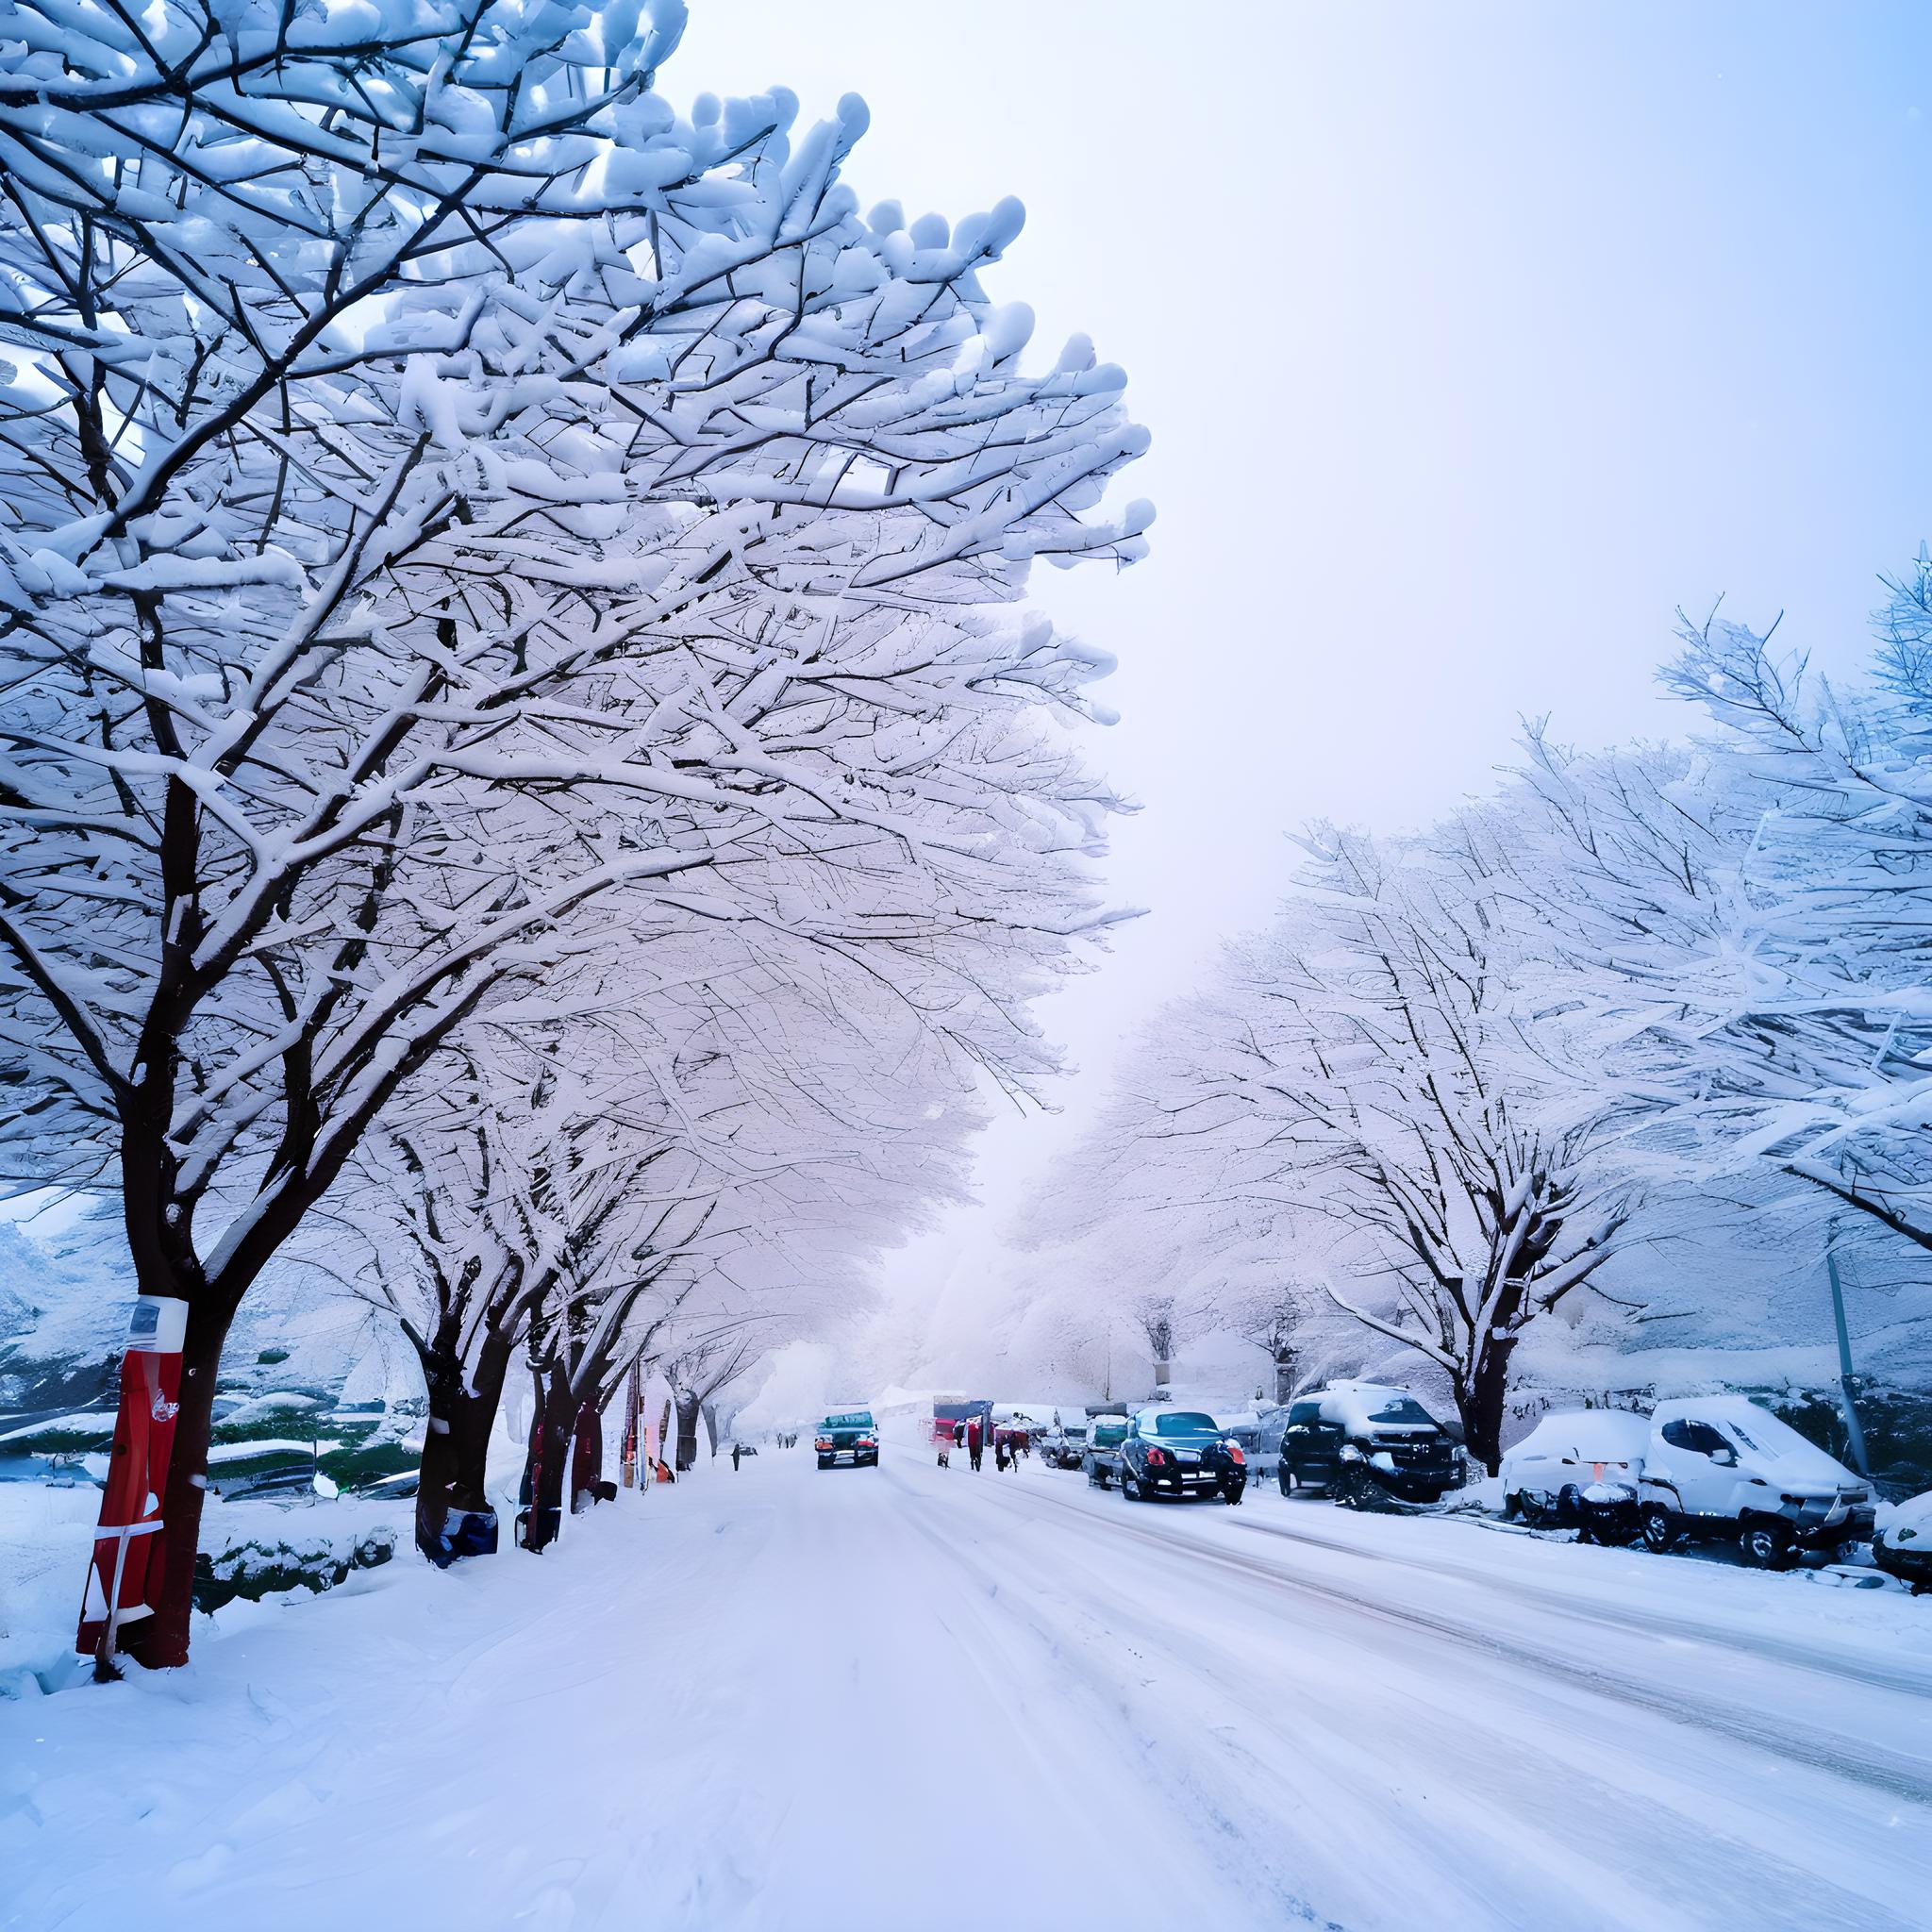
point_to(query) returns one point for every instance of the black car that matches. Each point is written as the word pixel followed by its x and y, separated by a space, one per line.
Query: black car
pixel 847 1435
pixel 1101 1458
pixel 1359 1440
pixel 1177 1452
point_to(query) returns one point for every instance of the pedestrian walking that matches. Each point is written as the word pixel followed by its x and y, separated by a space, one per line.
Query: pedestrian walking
pixel 975 1442
pixel 737 1450
pixel 999 1454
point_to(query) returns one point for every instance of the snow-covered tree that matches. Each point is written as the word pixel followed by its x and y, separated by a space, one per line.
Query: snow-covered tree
pixel 448 495
pixel 1360 1091
pixel 1734 930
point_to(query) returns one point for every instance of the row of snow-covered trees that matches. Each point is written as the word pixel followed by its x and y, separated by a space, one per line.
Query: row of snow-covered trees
pixel 515 780
pixel 1459 1071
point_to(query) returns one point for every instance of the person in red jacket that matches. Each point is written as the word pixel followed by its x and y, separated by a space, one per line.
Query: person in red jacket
pixel 975 1442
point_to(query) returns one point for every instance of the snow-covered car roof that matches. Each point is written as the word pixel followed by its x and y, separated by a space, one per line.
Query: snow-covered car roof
pixel 1589 1435
pixel 1362 1404
pixel 1760 1431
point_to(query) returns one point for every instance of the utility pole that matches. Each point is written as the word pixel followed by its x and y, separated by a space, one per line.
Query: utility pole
pixel 1855 1436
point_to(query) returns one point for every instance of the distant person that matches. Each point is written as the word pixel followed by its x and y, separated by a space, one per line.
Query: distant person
pixel 942 1438
pixel 1000 1456
pixel 975 1442
pixel 737 1451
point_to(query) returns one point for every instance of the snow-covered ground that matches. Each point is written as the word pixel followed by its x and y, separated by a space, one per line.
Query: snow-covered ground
pixel 787 1700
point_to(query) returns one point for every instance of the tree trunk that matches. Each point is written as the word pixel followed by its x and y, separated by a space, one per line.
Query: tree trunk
pixel 1482 1399
pixel 587 1458
pixel 547 1464
pixel 686 1433
pixel 160 1641
pixel 454 1517
pixel 709 1412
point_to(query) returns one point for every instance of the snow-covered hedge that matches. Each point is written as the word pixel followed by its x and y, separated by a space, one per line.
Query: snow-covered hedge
pixel 319 1554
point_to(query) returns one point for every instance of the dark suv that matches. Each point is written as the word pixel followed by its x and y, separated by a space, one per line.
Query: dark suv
pixel 1359 1440
pixel 848 1435
pixel 1177 1452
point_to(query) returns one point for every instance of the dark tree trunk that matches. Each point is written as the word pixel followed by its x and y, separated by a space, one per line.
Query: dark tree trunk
pixel 160 1641
pixel 587 1458
pixel 1482 1401
pixel 1283 1375
pixel 686 1433
pixel 454 1517
pixel 709 1412
pixel 547 1462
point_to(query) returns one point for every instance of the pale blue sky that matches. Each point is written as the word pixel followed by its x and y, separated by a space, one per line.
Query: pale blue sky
pixel 1473 339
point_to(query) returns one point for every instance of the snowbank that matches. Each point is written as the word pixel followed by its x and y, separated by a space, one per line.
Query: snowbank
pixel 46 1534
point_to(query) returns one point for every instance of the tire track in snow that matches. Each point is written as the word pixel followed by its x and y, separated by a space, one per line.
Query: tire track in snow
pixel 1311 1780
pixel 1906 1682
pixel 1879 1767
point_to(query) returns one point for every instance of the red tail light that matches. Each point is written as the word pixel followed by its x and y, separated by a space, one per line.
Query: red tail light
pixel 821 1442
pixel 867 1442
pixel 1234 1452
pixel 1157 1459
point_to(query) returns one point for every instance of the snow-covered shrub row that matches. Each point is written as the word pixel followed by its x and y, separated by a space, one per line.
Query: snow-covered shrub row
pixel 508 716
pixel 1631 1040
pixel 313 1559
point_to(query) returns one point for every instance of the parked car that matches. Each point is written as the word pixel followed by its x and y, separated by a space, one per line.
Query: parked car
pixel 847 1435
pixel 1064 1444
pixel 1720 1466
pixel 1359 1440
pixel 1176 1451
pixel 1545 1476
pixel 1102 1459
pixel 1904 1546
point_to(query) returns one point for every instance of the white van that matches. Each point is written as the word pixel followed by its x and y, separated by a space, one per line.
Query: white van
pixel 1719 1465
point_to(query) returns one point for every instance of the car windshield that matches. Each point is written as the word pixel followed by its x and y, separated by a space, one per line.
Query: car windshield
pixel 1187 1423
pixel 857 1419
pixel 1400 1408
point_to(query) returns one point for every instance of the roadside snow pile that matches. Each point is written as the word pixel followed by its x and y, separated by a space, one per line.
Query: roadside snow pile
pixel 250 1551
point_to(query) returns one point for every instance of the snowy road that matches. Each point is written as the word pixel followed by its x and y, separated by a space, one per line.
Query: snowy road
pixel 905 1697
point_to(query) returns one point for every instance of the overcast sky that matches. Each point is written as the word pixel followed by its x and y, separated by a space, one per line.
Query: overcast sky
pixel 1473 339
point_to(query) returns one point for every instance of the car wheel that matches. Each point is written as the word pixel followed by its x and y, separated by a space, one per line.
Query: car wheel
pixel 1661 1530
pixel 1352 1487
pixel 823 1462
pixel 1285 1479
pixel 1767 1546
pixel 1130 1485
pixel 1529 1510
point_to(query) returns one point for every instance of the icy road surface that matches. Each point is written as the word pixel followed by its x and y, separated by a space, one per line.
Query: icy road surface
pixel 875 1699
